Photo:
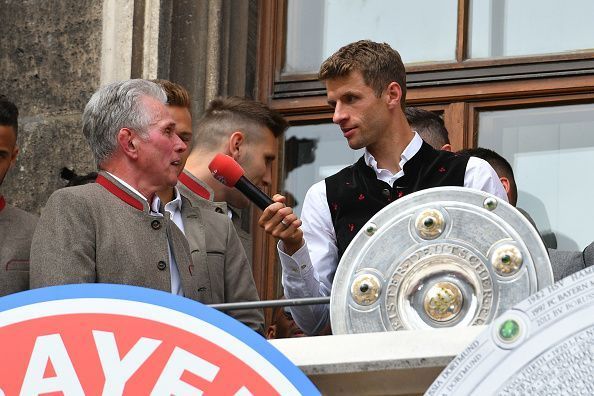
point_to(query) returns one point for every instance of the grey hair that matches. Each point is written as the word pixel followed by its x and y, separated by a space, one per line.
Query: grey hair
pixel 113 107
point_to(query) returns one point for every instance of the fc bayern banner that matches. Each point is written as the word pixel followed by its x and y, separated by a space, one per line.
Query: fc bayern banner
pixel 98 339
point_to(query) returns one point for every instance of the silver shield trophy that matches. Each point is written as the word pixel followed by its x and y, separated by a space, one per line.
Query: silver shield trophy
pixel 543 346
pixel 441 257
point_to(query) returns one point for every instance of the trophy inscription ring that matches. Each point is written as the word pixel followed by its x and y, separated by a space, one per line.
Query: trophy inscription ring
pixel 440 257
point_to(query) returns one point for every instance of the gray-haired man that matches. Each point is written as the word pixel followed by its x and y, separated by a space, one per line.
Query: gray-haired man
pixel 112 231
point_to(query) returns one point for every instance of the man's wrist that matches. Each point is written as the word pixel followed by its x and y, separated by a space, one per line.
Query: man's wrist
pixel 290 247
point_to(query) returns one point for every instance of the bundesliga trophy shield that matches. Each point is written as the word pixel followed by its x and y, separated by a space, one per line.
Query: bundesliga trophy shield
pixel 543 346
pixel 441 257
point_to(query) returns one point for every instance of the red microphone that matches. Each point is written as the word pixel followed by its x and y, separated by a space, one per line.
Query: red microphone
pixel 230 173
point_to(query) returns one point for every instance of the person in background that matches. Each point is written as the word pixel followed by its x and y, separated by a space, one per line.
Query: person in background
pixel 283 325
pixel 220 264
pixel 429 126
pixel 75 179
pixel 564 263
pixel 16 225
pixel 245 130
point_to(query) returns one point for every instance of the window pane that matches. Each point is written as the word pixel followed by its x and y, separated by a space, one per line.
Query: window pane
pixel 421 30
pixel 312 153
pixel 500 28
pixel 552 153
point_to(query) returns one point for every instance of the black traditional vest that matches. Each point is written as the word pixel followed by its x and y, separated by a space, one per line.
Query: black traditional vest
pixel 355 194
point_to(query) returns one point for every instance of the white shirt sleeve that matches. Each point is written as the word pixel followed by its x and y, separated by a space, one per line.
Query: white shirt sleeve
pixel 481 176
pixel 310 271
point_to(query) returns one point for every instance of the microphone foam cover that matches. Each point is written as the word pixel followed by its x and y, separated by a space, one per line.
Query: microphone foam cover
pixel 225 169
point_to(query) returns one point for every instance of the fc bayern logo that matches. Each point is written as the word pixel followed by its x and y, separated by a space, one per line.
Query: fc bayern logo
pixel 121 340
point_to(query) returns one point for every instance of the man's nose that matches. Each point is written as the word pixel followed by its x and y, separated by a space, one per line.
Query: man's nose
pixel 339 114
pixel 180 146
pixel 267 179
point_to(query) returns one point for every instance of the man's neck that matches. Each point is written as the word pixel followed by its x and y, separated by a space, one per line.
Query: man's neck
pixel 388 150
pixel 166 195
pixel 138 182
pixel 197 165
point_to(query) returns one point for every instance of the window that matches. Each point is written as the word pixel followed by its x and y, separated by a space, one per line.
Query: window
pixel 510 28
pixel 317 28
pixel 551 150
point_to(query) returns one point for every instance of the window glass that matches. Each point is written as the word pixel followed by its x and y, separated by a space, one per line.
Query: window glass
pixel 421 30
pixel 500 28
pixel 552 153
pixel 312 153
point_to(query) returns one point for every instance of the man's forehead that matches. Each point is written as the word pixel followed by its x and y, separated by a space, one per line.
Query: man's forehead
pixel 7 136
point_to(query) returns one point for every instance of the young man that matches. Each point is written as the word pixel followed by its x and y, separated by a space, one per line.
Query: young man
pixel 16 226
pixel 429 126
pixel 245 130
pixel 220 263
pixel 366 87
pixel 564 263
pixel 113 231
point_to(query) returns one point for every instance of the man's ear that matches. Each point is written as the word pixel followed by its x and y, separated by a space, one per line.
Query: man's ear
pixel 506 184
pixel 128 142
pixel 270 333
pixel 394 94
pixel 236 141
pixel 446 147
pixel 13 157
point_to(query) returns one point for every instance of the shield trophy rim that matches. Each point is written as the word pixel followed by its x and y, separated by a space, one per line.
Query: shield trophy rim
pixel 542 273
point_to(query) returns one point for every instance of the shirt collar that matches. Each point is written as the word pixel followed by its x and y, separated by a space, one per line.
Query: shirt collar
pixel 172 206
pixel 409 151
pixel 134 193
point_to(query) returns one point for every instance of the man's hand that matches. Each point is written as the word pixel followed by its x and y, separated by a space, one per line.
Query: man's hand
pixel 279 221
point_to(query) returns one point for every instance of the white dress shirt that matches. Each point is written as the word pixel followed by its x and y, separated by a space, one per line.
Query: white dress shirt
pixel 310 271
pixel 173 208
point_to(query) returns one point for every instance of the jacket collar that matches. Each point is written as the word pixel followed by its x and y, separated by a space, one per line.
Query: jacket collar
pixel 195 185
pixel 122 192
pixel 2 203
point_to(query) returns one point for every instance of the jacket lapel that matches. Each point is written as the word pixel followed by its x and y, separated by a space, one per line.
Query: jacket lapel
pixel 195 277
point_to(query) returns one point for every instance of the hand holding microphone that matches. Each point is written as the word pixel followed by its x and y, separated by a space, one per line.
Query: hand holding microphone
pixel 277 219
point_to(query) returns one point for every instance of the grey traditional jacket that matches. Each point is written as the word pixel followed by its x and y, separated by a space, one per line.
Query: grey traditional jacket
pixel 566 263
pixel 16 232
pixel 190 186
pixel 101 232
pixel 220 262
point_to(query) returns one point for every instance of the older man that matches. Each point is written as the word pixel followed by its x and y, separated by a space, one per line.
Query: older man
pixel 114 230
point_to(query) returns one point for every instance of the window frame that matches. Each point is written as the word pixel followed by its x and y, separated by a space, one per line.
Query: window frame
pixel 462 71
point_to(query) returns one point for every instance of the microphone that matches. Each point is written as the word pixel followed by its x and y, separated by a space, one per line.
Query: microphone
pixel 231 174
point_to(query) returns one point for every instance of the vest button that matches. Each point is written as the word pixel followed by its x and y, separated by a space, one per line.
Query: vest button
pixel 161 265
pixel 218 210
pixel 156 224
pixel 386 193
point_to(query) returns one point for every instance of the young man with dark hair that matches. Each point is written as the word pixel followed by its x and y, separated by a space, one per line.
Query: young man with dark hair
pixel 564 263
pixel 245 130
pixel 366 87
pixel 16 226
pixel 501 166
pixel 220 263
pixel 429 126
